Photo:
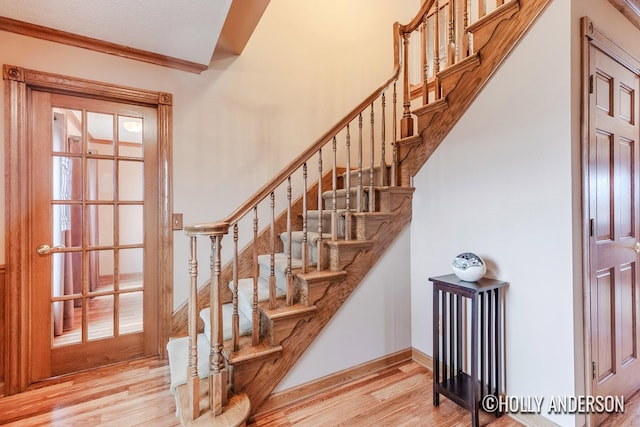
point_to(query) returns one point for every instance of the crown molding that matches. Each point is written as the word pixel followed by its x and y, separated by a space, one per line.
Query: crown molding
pixel 63 37
pixel 630 9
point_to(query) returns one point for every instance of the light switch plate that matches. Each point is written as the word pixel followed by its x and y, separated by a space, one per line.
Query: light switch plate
pixel 176 220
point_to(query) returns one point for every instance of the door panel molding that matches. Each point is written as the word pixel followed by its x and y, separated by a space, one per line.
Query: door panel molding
pixel 18 84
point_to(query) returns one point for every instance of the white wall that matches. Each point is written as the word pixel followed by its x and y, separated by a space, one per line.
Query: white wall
pixel 500 185
pixel 355 335
pixel 241 121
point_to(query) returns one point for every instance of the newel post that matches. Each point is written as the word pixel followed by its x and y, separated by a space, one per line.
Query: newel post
pixel 218 376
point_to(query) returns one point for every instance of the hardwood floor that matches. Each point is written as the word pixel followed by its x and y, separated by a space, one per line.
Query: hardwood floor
pixel 137 394
pixel 129 394
pixel 394 397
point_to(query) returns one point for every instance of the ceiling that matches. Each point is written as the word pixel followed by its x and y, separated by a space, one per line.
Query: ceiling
pixel 187 31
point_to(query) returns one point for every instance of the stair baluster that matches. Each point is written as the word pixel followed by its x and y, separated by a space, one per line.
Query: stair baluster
pixel 359 182
pixel 218 378
pixel 305 246
pixel 289 296
pixel 334 191
pixel 319 250
pixel 451 44
pixel 466 36
pixel 383 154
pixel 272 258
pixel 482 8
pixel 394 161
pixel 235 319
pixel 347 218
pixel 193 377
pixel 255 319
pixel 406 124
pixel 371 195
pixel 424 60
pixel 436 50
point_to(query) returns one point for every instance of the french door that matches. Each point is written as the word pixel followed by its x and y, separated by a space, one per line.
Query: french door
pixel 94 293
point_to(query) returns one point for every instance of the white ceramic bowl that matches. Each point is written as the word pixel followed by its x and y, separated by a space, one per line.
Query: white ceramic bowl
pixel 469 267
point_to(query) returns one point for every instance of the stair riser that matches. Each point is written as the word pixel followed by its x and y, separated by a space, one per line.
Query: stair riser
pixel 281 277
pixel 389 199
pixel 341 201
pixel 296 249
pixel 312 224
pixel 277 330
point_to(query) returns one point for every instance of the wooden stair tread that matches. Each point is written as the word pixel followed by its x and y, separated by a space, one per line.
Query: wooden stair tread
pixel 248 353
pixel 460 67
pixel 284 311
pixel 374 215
pixel 352 244
pixel 438 105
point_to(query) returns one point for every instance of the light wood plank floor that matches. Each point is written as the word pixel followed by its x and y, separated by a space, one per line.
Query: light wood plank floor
pixel 394 397
pixel 137 394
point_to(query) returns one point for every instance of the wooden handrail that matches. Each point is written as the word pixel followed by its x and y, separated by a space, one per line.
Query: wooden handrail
pixel 417 20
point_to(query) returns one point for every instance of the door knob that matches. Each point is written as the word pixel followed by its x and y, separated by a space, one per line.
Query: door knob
pixel 637 247
pixel 45 249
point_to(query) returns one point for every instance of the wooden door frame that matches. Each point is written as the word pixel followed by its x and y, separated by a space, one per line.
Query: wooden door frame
pixel 18 83
pixel 591 36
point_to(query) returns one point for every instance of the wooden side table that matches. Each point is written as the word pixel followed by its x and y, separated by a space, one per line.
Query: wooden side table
pixel 450 346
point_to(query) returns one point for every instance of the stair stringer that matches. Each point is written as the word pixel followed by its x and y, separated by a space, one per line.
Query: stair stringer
pixel 504 39
pixel 271 373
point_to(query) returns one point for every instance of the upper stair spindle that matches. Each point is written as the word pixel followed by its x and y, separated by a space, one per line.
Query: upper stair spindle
pixel 255 320
pixel 289 274
pixel 451 42
pixel 272 255
pixel 305 247
pixel 334 191
pixel 406 124
pixel 394 161
pixel 371 195
pixel 235 317
pixel 383 143
pixel 347 219
pixel 359 182
pixel 319 241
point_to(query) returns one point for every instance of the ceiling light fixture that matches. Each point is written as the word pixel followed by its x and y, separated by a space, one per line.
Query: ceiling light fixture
pixel 133 126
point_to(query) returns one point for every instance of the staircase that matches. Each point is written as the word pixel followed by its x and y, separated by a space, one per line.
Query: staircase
pixel 296 250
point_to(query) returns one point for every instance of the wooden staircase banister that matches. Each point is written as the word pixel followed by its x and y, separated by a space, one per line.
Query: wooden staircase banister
pixel 269 280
